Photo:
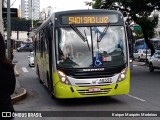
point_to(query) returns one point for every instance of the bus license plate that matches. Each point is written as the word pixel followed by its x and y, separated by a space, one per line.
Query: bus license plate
pixel 105 80
pixel 94 89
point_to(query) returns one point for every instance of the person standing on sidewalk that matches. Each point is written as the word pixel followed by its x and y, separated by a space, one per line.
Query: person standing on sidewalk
pixel 7 82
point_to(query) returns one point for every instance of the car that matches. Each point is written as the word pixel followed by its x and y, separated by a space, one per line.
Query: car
pixel 154 62
pixel 25 47
pixel 140 54
pixel 31 59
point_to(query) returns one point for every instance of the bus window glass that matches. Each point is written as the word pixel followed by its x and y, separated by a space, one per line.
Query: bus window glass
pixel 74 52
pixel 140 44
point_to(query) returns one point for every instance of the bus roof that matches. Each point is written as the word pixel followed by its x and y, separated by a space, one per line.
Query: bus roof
pixel 152 39
pixel 87 11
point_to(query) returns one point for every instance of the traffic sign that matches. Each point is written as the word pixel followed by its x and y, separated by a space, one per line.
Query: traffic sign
pixel 13 12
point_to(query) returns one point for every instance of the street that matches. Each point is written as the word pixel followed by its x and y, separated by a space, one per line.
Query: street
pixel 144 95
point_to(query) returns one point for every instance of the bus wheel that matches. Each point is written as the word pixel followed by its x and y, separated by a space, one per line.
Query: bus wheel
pixel 151 68
pixel 39 76
pixel 50 85
pixel 49 82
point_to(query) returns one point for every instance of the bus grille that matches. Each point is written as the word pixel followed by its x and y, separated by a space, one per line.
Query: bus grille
pixel 87 92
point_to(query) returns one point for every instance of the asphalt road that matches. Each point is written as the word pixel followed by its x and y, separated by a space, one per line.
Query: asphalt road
pixel 144 96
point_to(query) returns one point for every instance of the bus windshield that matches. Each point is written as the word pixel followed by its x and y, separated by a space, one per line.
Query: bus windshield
pixel 88 47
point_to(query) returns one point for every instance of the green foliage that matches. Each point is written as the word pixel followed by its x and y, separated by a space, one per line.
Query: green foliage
pixel 97 4
pixel 135 10
pixel 35 22
pixel 21 24
pixel 138 34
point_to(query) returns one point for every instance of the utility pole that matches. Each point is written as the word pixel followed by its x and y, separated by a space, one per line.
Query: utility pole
pixel 32 12
pixel 1 20
pixel 8 30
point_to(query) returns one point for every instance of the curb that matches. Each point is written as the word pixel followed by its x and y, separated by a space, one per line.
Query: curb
pixel 16 72
pixel 20 96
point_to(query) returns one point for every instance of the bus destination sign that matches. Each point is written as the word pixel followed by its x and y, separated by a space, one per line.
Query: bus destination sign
pixel 89 19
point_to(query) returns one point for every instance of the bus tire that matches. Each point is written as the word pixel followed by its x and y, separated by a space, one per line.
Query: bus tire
pixel 50 86
pixel 151 68
pixel 53 97
pixel 40 81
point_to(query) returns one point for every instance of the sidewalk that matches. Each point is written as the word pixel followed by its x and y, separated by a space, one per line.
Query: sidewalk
pixel 20 93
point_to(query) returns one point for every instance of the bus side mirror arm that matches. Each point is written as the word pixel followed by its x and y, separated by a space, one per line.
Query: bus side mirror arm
pixel 129 33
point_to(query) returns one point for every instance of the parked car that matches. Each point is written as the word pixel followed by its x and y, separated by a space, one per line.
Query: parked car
pixel 31 59
pixel 25 47
pixel 140 54
pixel 154 62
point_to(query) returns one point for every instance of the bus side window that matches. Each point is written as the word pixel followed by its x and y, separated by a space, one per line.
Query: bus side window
pixel 41 43
pixel 49 33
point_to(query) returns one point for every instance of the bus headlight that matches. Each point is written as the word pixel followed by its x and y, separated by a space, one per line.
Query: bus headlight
pixel 122 75
pixel 63 78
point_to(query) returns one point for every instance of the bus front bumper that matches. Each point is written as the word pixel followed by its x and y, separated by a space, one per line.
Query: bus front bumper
pixel 67 91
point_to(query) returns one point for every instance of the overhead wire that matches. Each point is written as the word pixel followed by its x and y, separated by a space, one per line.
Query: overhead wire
pixel 13 3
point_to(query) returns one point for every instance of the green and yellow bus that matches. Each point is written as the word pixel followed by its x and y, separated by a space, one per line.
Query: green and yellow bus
pixel 83 53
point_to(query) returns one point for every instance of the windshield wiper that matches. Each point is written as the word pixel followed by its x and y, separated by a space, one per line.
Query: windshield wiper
pixel 84 38
pixel 87 40
pixel 103 33
pixel 78 33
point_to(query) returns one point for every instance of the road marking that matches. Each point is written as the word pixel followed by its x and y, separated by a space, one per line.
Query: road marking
pixel 24 69
pixel 136 98
pixel 135 65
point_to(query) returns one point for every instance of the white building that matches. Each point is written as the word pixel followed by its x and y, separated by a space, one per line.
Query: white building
pixel 30 8
pixel 46 12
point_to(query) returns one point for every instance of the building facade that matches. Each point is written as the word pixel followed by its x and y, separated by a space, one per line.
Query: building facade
pixel 30 9
pixel 45 13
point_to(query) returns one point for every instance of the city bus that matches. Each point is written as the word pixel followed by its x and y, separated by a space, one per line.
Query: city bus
pixel 140 44
pixel 83 53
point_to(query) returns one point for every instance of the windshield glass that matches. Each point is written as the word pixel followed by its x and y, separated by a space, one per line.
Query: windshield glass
pixel 102 46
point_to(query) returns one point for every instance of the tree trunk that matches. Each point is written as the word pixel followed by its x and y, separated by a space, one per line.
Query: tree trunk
pixel 148 43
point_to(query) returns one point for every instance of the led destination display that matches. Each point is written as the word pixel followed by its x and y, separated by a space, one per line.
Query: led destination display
pixel 89 19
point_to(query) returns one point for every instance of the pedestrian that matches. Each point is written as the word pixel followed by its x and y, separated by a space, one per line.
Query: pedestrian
pixel 7 83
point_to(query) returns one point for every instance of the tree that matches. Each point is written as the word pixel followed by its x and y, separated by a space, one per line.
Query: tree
pixel 138 11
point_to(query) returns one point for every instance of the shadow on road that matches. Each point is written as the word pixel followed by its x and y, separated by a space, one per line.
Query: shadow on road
pixel 88 101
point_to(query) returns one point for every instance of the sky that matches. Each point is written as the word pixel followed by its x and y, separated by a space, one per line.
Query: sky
pixel 57 4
